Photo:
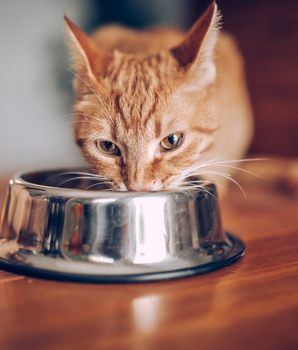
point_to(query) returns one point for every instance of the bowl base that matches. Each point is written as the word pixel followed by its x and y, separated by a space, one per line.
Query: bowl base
pixel 21 266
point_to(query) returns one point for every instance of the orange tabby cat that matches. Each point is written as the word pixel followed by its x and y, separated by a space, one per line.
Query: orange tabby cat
pixel 156 107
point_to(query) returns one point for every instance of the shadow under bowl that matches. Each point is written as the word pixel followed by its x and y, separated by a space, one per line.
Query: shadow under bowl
pixel 65 224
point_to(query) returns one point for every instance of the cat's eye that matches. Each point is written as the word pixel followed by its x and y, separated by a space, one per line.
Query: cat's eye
pixel 108 148
pixel 172 141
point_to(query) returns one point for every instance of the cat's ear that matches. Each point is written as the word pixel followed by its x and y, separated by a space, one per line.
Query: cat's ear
pixel 86 55
pixel 195 53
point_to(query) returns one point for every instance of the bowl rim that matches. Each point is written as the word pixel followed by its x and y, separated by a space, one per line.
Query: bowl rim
pixel 18 178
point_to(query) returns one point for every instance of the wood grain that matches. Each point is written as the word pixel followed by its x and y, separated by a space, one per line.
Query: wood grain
pixel 252 304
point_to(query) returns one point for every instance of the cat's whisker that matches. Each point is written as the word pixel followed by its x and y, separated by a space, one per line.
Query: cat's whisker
pixel 82 174
pixel 77 121
pixel 196 182
pixel 218 184
pixel 75 113
pixel 100 100
pixel 196 187
pixel 227 176
pixel 94 120
pixel 215 161
pixel 50 178
pixel 68 115
pixel 85 176
pixel 77 173
pixel 100 183
pixel 226 163
pixel 218 162
pixel 202 169
pixel 239 169
pixel 74 178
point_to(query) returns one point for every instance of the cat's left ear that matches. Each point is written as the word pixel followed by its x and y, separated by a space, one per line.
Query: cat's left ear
pixel 195 53
pixel 87 56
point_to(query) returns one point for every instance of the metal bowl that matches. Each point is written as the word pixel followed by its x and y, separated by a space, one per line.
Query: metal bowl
pixel 64 225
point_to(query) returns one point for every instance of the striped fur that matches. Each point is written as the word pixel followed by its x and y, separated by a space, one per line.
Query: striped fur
pixel 134 99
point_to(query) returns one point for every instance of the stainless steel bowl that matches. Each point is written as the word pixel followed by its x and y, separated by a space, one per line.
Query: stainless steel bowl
pixel 64 225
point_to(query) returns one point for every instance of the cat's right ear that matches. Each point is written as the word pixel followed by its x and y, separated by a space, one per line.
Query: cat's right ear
pixel 86 55
pixel 195 53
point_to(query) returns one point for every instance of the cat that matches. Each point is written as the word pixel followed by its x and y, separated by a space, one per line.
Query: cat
pixel 157 108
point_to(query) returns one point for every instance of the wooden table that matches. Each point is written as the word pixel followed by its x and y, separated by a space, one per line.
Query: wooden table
pixel 251 304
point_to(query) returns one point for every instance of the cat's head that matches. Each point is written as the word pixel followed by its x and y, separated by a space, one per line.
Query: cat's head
pixel 143 122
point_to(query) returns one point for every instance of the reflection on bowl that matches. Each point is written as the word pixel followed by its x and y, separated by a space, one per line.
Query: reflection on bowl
pixel 65 225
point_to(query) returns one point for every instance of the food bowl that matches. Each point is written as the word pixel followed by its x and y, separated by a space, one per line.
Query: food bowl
pixel 64 224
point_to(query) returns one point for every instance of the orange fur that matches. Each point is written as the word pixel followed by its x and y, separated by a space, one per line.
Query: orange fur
pixel 136 88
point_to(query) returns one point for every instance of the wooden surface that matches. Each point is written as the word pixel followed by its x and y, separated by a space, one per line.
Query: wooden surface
pixel 252 304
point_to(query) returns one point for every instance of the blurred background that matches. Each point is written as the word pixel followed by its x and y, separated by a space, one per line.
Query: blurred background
pixel 35 85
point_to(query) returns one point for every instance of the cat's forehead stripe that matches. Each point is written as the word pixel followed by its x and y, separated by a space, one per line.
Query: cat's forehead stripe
pixel 157 129
pixel 119 112
pixel 137 89
pixel 140 81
